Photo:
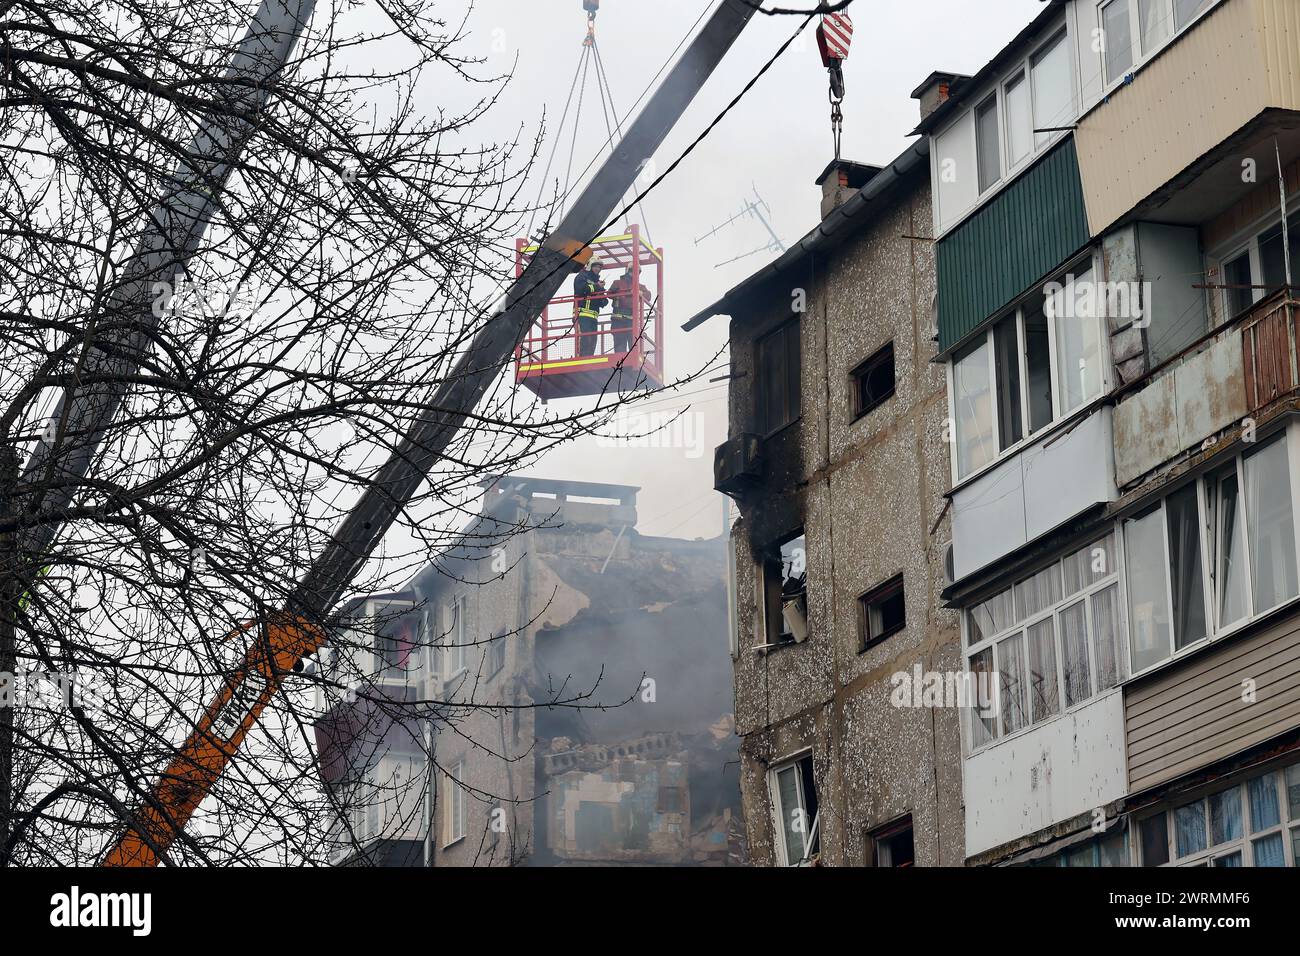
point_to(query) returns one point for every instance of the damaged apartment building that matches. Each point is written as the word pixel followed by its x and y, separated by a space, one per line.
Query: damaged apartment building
pixel 583 696
pixel 838 461
pixel 1116 314
pixel 1024 405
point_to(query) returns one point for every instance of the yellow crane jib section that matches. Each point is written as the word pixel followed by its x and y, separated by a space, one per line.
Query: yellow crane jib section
pixel 221 730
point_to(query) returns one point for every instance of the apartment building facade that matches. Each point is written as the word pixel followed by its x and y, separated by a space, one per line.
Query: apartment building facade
pixel 569 677
pixel 837 460
pixel 1116 320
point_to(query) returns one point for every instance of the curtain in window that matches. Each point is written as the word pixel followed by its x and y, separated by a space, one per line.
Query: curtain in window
pixel 1189 829
pixel 1264 809
pixel 1044 689
pixel 1011 676
pixel 983 717
pixel 1107 638
pixel 1226 822
pixel 991 617
pixel 1269 525
pixel 1074 646
pixel 1038 592
pixel 1269 851
pixel 1153 16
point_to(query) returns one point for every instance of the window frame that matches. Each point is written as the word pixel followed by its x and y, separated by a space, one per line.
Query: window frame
pixel 1247 242
pixel 874 837
pixel 1018 312
pixel 455 818
pixel 1139 52
pixel 1019 628
pixel 792 404
pixel 495 655
pixel 454 643
pixel 1287 825
pixel 778 809
pixel 1061 30
pixel 1209 547
pixel 770 587
pixel 861 372
pixel 991 102
pixel 894 586
pixel 1131 15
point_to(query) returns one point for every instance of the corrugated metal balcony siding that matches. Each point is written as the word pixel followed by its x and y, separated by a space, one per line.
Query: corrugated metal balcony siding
pixel 1017 238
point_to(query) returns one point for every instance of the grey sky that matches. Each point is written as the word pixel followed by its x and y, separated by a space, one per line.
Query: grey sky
pixel 777 139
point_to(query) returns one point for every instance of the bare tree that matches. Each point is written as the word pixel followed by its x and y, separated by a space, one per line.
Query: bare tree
pixel 359 226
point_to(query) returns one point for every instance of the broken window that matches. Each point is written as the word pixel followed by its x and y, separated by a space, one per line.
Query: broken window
pixel 892 845
pixel 776 389
pixel 785 586
pixel 794 800
pixel 873 381
pixel 883 612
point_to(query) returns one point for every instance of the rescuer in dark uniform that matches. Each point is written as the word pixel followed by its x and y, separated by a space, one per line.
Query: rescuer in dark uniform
pixel 588 300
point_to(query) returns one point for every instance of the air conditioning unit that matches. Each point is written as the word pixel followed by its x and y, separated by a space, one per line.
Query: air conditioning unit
pixel 738 464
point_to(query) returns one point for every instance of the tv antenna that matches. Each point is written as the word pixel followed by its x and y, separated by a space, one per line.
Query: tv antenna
pixel 756 208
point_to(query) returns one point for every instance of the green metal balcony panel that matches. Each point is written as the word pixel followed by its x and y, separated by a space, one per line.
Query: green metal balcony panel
pixel 1014 240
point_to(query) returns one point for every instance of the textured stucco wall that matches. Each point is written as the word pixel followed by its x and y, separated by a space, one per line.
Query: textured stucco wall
pixel 867 492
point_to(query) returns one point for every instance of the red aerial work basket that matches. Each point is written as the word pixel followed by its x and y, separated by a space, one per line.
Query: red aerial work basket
pixel 558 360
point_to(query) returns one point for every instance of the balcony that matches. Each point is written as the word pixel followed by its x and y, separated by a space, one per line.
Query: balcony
pixel 1061 475
pixel 1208 388
pixel 1194 130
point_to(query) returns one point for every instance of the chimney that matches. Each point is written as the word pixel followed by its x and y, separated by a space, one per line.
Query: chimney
pixel 935 90
pixel 841 180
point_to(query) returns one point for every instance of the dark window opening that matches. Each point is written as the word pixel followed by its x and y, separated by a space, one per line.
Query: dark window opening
pixel 892 846
pixel 785 583
pixel 873 381
pixel 777 388
pixel 883 612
